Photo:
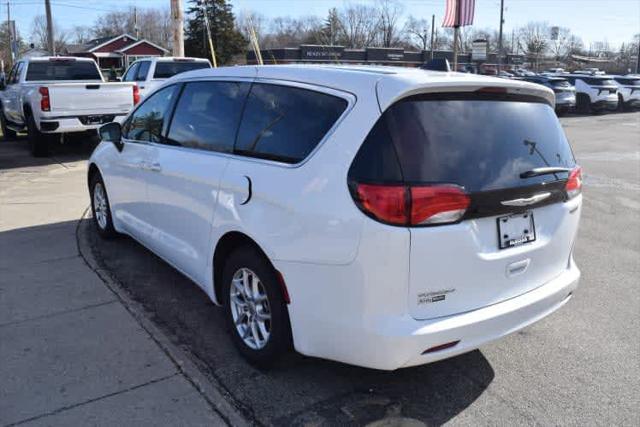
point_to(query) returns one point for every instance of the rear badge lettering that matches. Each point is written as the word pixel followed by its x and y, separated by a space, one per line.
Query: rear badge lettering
pixel 435 296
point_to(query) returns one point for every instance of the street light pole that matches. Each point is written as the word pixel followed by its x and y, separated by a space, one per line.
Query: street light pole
pixel 50 43
pixel 433 29
pixel 500 35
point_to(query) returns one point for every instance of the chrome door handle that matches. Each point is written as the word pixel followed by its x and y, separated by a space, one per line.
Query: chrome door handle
pixel 154 167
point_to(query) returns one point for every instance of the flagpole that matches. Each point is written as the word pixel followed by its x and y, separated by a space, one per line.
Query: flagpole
pixel 456 32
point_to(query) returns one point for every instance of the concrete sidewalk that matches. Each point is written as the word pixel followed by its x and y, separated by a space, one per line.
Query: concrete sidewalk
pixel 70 353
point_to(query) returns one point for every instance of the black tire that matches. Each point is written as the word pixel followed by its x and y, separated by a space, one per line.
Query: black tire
pixel 583 104
pixel 105 228
pixel 39 143
pixel 7 134
pixel 621 105
pixel 279 341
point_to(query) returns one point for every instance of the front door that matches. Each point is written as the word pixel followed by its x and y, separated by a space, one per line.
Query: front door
pixel 135 164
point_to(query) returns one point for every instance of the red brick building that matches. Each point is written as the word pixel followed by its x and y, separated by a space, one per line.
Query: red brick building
pixel 117 51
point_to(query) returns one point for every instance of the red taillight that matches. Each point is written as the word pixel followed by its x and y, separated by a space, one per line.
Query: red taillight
pixel 574 183
pixel 136 94
pixel 413 205
pixel 387 203
pixel 438 204
pixel 45 102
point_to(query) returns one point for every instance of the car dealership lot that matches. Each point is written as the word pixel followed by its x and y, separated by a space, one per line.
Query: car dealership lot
pixel 579 366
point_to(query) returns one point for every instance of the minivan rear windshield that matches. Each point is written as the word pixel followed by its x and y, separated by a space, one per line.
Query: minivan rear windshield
pixel 480 144
pixel 62 70
pixel 164 70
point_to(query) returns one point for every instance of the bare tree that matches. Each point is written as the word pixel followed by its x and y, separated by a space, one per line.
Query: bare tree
pixel 533 39
pixel 290 32
pixel 248 19
pixel 390 13
pixel 360 24
pixel 418 32
pixel 154 24
pixel 81 34
pixel 40 37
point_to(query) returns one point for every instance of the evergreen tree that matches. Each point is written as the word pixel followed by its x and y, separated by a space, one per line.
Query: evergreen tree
pixel 227 40
pixel 331 28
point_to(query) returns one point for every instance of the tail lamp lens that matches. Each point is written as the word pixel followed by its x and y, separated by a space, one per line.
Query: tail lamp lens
pixel 136 94
pixel 45 102
pixel 412 205
pixel 574 183
pixel 384 202
pixel 438 204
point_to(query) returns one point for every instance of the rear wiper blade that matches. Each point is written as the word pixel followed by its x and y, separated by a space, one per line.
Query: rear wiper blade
pixel 543 171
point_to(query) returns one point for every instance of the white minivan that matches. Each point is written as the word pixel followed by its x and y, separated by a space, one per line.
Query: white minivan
pixel 382 217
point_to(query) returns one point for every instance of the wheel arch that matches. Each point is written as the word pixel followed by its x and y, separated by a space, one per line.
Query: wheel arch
pixel 93 170
pixel 229 242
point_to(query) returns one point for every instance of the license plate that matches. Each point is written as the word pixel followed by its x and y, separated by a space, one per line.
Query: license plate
pixel 515 230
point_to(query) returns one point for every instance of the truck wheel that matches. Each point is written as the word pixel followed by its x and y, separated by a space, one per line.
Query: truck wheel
pixel 38 142
pixel 583 104
pixel 7 134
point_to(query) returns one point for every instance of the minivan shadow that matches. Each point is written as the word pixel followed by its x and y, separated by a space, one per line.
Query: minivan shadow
pixel 300 390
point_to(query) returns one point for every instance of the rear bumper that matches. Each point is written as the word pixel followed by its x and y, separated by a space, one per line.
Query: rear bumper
pixel 72 124
pixel 391 341
pixel 606 104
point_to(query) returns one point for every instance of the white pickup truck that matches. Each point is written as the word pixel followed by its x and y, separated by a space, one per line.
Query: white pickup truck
pixel 50 96
pixel 149 73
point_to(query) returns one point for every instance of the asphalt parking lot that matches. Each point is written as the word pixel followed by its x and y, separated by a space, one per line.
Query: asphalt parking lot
pixel 578 367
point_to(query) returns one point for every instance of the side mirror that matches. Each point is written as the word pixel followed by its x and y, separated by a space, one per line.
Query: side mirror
pixel 112 132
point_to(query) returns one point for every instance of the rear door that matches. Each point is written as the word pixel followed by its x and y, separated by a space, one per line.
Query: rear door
pixel 518 228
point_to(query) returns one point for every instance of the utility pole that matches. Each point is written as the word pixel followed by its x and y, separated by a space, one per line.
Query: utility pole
pixel 456 34
pixel 50 43
pixel 433 27
pixel 500 35
pixel 178 28
pixel 9 32
pixel 638 59
pixel 135 22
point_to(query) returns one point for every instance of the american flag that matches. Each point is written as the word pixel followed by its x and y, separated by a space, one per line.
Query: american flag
pixel 459 18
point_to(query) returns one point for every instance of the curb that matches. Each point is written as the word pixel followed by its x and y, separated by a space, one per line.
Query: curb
pixel 214 394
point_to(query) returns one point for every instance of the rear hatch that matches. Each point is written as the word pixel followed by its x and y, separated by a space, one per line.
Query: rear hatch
pixel 489 184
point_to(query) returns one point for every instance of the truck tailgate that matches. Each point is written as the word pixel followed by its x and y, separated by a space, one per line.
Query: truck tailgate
pixel 91 98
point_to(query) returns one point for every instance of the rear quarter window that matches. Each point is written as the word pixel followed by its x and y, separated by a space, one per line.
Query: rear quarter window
pixel 286 123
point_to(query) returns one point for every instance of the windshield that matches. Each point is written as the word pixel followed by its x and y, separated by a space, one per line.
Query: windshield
pixel 164 70
pixel 62 70
pixel 478 144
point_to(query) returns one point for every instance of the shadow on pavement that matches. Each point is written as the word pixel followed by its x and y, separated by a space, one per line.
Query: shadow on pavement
pixel 302 391
pixel 16 154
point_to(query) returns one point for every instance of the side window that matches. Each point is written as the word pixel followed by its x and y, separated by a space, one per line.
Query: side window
pixel 143 70
pixel 207 115
pixel 130 75
pixel 286 123
pixel 145 124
